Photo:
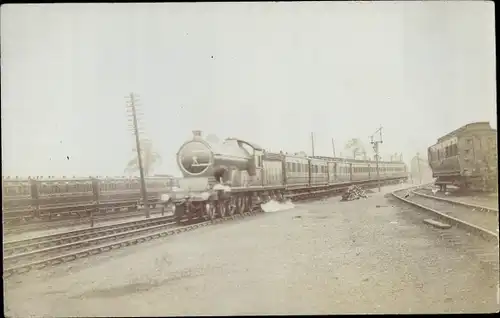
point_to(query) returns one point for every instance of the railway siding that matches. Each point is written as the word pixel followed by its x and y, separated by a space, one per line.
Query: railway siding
pixel 48 228
pixel 25 262
pixel 474 215
pixel 483 244
pixel 24 245
pixel 480 202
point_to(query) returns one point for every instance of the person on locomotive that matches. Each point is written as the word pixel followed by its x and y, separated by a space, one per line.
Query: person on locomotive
pixel 219 174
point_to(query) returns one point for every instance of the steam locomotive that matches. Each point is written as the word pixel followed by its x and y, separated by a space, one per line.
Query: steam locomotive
pixel 223 178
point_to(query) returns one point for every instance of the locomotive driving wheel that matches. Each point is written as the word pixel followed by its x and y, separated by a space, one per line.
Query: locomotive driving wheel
pixel 210 210
pixel 222 208
pixel 240 202
pixel 232 204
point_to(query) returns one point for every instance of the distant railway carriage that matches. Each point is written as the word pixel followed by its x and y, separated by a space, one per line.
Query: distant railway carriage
pixel 30 197
pixel 466 157
pixel 249 169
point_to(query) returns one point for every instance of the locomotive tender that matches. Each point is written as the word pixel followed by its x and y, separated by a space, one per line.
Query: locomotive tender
pixel 225 178
pixel 466 157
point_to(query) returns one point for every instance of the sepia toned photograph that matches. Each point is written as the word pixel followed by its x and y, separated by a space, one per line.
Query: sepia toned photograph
pixel 249 158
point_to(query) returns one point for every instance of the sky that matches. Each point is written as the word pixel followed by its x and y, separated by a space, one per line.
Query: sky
pixel 270 73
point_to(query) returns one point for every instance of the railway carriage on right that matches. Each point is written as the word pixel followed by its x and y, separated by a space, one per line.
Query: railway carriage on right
pixel 466 157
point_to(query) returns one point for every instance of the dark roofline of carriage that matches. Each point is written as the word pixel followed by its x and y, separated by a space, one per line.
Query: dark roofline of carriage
pixel 351 160
pixel 464 128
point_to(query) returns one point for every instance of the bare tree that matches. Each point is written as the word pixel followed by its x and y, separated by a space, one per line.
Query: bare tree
pixel 356 147
pixel 149 157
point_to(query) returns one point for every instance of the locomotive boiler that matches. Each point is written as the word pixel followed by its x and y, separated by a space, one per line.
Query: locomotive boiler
pixel 233 161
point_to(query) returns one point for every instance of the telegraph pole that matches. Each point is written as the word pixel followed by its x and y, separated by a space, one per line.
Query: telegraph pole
pixel 132 104
pixel 333 147
pixel 375 143
pixel 312 143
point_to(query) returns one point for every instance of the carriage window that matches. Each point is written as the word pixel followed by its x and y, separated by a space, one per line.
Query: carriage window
pixel 492 142
pixel 10 190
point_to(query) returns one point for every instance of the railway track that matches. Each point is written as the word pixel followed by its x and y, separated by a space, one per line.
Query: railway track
pixel 49 225
pixel 75 236
pixel 478 224
pixel 26 255
pixel 35 253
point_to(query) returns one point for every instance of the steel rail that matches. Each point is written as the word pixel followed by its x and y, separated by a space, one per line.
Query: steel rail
pixel 129 238
pixel 458 202
pixel 39 242
pixel 47 225
pixel 484 233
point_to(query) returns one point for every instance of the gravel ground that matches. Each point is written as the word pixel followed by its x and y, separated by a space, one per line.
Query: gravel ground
pixel 317 258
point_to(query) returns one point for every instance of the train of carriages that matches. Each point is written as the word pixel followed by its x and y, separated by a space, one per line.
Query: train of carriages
pixel 42 197
pixel 223 178
pixel 466 158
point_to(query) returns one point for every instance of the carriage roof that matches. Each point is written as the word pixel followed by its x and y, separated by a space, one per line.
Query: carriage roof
pixel 481 125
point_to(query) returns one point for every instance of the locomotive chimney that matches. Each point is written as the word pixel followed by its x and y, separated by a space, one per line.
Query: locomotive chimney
pixel 197 133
